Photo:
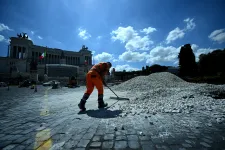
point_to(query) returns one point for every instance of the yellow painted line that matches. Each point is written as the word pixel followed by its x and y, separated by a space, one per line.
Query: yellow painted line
pixel 45 110
pixel 43 139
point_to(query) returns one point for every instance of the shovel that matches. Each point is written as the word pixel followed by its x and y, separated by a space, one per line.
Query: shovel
pixel 117 97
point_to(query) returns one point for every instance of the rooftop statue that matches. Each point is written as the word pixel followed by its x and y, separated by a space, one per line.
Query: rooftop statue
pixel 24 36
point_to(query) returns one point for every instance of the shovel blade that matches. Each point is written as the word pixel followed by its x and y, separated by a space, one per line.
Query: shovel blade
pixel 119 98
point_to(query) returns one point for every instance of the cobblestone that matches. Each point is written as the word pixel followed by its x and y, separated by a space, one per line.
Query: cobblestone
pixel 83 143
pixel 133 144
pixel 95 145
pixel 23 126
pixel 147 145
pixel 88 136
pixel 120 144
pixel 96 138
pixel 109 137
pixel 205 144
pixel 107 144
pixel 70 144
pixel 121 137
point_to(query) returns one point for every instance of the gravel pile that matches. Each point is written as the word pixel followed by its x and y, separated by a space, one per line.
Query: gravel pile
pixel 155 80
pixel 167 93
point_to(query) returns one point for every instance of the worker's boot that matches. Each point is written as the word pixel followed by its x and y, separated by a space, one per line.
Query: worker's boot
pixel 101 103
pixel 81 105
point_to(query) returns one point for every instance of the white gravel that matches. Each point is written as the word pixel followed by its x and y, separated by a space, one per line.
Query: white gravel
pixel 167 93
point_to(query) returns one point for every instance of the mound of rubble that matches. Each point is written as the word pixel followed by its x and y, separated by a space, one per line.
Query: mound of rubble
pixel 155 80
pixel 167 93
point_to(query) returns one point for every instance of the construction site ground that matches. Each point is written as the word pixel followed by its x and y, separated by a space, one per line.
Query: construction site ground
pixel 49 119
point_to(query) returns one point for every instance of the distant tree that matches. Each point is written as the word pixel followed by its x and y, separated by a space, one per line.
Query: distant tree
pixel 147 70
pixel 157 68
pixel 212 63
pixel 187 64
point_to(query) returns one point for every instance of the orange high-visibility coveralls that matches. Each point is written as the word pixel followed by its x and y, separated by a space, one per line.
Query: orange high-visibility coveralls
pixel 95 78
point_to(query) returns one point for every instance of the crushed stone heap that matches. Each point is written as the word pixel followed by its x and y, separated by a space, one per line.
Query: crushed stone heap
pixel 155 80
pixel 166 93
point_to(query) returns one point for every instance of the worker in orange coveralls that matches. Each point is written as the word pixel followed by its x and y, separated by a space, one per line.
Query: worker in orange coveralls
pixel 95 77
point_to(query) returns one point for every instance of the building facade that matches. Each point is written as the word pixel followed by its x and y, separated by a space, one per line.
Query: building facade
pixel 22 51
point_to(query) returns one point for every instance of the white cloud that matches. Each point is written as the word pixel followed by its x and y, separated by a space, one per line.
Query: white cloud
pixel 125 67
pixel 93 52
pixel 32 32
pixel 218 36
pixel 169 54
pixel 104 57
pixel 29 38
pixel 148 30
pixel 130 56
pixel 40 37
pixel 84 34
pixel 2 38
pixel 178 33
pixel 132 39
pixel 190 23
pixel 194 47
pixel 162 54
pixel 175 34
pixel 198 51
pixel 138 43
pixel 123 34
pixel 4 27
pixel 99 37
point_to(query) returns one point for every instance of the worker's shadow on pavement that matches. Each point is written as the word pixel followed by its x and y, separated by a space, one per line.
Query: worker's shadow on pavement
pixel 103 113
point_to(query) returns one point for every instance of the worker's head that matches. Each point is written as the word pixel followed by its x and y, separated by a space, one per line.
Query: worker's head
pixel 109 64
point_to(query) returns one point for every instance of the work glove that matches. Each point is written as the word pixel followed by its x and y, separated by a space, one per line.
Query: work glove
pixel 104 83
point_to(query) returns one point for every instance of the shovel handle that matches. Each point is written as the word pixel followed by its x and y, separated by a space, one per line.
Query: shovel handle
pixel 112 91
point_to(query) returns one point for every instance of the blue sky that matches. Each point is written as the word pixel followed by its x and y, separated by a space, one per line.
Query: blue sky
pixel 129 33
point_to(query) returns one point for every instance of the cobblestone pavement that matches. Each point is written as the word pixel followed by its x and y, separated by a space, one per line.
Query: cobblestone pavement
pixel 49 119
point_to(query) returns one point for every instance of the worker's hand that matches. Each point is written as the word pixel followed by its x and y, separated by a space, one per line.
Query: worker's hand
pixel 104 83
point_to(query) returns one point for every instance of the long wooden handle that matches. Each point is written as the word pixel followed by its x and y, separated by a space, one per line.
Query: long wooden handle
pixel 113 91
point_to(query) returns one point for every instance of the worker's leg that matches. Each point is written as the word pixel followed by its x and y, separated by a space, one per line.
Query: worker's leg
pixel 99 85
pixel 90 88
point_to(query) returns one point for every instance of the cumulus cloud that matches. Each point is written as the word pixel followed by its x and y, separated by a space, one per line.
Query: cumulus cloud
pixel 104 57
pixel 125 67
pixel 32 32
pixel 190 23
pixel 4 27
pixel 3 39
pixel 131 56
pixel 175 34
pixel 218 36
pixel 131 38
pixel 83 34
pixel 178 33
pixel 162 54
pixel 169 54
pixel 148 30
pixel 93 52
pixel 40 37
pixel 198 51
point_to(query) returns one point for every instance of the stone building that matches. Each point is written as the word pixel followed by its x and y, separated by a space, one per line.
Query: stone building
pixel 22 51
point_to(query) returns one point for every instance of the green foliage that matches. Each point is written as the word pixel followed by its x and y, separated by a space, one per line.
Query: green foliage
pixel 187 62
pixel 212 63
